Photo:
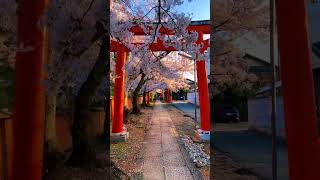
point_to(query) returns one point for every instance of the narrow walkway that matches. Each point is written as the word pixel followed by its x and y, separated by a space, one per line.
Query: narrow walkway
pixel 163 158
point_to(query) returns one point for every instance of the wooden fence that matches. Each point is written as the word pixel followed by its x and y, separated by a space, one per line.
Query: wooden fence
pixel 63 134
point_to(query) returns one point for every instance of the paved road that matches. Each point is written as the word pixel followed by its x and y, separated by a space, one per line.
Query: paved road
pixel 251 149
pixel 187 108
pixel 163 158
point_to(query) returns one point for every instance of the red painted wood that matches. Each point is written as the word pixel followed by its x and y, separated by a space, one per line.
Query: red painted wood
pixel 111 108
pixel 205 29
pixel 203 96
pixel 203 91
pixel 157 46
pixel 3 149
pixel 148 98
pixel 166 95
pixel 117 124
pixel 298 90
pixel 29 99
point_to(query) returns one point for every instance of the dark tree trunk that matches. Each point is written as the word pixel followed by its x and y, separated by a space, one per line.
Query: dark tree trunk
pixel 135 105
pixel 83 141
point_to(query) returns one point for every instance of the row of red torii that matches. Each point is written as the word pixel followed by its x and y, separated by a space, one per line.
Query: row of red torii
pixel 119 89
pixel 296 75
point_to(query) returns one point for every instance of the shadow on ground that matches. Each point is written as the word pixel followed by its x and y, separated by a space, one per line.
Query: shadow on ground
pixel 252 150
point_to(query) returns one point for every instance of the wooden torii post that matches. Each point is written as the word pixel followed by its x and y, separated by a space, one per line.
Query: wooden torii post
pixel 296 74
pixel 159 46
pixel 29 96
pixel 119 89
pixel 168 95
pixel 148 98
pixel 203 94
pixel 298 90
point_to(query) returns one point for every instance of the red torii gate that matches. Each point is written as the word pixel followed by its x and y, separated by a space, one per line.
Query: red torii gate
pixel 117 124
pixel 168 95
pixel 298 90
pixel 296 74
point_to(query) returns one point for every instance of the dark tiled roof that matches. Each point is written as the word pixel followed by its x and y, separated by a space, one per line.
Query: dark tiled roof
pixel 203 22
pixel 247 55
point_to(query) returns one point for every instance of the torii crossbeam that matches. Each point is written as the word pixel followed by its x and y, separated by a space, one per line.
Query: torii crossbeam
pixel 299 101
pixel 115 46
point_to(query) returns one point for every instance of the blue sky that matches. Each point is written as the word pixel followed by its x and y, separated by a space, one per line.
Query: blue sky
pixel 200 9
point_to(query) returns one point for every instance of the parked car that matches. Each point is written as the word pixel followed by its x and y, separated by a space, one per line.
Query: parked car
pixel 229 113
pixel 180 97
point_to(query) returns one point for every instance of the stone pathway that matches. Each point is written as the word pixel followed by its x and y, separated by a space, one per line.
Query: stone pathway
pixel 162 157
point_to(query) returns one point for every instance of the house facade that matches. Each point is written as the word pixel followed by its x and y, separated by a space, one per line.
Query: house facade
pixel 261 68
pixel 259 107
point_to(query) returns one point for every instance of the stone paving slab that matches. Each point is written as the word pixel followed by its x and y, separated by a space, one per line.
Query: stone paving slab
pixel 153 173
pixel 152 151
pixel 153 161
pixel 163 158
pixel 170 148
pixel 174 159
pixel 177 173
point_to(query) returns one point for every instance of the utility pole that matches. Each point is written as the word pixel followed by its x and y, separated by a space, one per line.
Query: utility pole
pixel 195 87
pixel 273 95
pixel 195 94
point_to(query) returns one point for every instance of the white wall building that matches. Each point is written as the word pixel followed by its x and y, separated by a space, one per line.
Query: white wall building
pixel 259 108
pixel 191 96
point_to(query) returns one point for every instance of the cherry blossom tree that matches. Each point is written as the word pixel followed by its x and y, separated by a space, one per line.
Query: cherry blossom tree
pixel 78 37
pixel 230 72
pixel 152 16
pixel 148 75
pixel 234 20
pixel 8 28
pixel 7 47
pixel 78 42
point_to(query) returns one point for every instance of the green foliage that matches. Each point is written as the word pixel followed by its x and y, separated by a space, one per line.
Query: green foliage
pixel 6 87
pixel 111 88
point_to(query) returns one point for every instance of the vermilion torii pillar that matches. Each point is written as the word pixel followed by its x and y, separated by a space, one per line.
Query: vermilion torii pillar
pixel 148 98
pixel 298 90
pixel 29 96
pixel 117 124
pixel 169 96
pixel 203 96
pixel 159 46
pixel 203 91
